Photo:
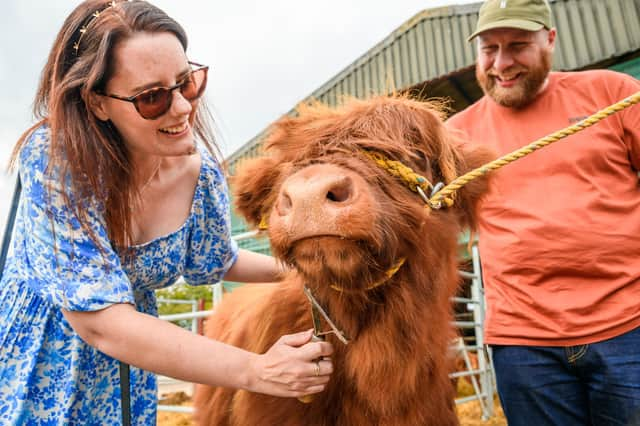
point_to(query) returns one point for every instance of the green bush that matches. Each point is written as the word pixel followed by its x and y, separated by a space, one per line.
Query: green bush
pixel 183 291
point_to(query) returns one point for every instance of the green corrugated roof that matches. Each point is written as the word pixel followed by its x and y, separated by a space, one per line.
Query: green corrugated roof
pixel 432 47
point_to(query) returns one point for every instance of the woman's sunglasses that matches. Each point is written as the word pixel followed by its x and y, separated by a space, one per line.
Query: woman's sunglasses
pixel 153 103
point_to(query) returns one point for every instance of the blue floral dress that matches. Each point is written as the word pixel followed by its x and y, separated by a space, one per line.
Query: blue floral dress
pixel 48 374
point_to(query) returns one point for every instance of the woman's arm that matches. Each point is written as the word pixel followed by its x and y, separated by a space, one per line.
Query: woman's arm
pixel 251 267
pixel 287 369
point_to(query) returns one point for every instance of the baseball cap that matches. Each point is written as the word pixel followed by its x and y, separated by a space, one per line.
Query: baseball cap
pixel 529 15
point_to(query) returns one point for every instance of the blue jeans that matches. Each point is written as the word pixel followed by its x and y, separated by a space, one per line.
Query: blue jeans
pixel 596 384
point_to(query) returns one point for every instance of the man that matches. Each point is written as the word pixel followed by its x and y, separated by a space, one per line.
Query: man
pixel 559 229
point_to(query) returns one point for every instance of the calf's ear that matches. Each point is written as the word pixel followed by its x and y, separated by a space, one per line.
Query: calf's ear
pixel 254 187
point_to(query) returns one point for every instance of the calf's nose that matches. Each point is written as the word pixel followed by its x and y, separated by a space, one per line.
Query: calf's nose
pixel 315 192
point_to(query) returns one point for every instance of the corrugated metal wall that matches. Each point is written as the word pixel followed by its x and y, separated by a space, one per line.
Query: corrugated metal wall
pixel 590 31
pixel 433 43
pixel 631 67
pixel 429 45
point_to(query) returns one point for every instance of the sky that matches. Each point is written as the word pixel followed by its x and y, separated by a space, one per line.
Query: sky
pixel 264 56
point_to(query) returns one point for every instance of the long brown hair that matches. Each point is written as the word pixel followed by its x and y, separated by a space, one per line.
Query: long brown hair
pixel 91 151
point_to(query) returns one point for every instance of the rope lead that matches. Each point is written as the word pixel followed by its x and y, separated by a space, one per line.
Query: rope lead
pixel 446 195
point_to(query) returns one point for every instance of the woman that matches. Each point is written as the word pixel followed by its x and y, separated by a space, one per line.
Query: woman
pixel 122 195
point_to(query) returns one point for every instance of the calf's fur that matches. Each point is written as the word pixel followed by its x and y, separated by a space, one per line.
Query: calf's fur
pixel 395 369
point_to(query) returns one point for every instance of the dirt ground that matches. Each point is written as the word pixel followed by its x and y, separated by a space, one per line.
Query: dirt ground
pixel 469 413
pixel 175 419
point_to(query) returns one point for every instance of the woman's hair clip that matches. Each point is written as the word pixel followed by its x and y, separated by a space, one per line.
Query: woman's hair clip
pixel 95 15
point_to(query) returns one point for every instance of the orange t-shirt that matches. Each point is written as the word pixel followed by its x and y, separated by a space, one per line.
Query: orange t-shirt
pixel 559 231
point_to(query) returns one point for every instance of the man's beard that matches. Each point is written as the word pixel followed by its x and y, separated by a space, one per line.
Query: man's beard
pixel 524 92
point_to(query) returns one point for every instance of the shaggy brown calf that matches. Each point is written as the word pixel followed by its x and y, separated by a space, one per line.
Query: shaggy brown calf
pixel 341 222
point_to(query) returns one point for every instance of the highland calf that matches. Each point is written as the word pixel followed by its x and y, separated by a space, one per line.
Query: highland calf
pixel 376 258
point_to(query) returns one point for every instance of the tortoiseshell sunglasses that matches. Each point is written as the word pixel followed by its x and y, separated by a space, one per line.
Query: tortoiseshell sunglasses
pixel 153 103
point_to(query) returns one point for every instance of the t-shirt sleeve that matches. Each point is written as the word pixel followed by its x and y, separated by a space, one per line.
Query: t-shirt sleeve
pixel 211 250
pixel 70 265
pixel 631 120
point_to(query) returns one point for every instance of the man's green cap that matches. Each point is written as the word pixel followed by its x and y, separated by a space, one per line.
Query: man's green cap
pixel 529 15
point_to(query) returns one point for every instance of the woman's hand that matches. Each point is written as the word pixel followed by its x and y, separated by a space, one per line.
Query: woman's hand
pixel 293 367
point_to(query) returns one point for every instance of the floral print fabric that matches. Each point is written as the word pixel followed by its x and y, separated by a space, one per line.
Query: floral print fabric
pixel 48 374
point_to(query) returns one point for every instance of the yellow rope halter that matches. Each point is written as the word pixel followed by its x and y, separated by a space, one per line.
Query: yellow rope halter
pixel 264 223
pixel 415 182
pixel 447 194
pixel 387 275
